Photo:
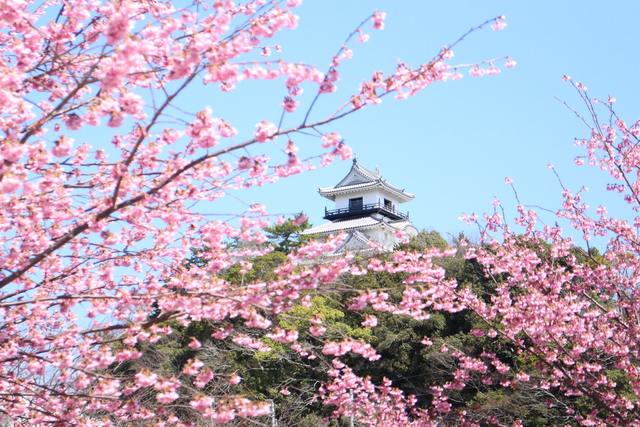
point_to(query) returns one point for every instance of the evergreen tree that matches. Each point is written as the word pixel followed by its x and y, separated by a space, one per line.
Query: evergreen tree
pixel 287 236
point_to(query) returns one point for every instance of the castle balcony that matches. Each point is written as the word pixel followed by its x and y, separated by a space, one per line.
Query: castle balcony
pixel 360 210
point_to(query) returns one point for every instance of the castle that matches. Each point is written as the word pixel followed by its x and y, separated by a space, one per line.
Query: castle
pixel 365 209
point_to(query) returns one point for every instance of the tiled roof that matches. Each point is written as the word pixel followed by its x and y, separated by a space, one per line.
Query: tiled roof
pixel 332 227
pixel 331 192
pixel 357 224
pixel 360 178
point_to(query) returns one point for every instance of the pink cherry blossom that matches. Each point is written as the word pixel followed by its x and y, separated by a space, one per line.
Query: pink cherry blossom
pixel 362 37
pixel 477 71
pixel 10 184
pixel 202 403
pixel 300 219
pixel 194 344
pixel 266 131
pixel 146 378
pixel 290 105
pixel 377 19
pixel 167 396
pixel 235 379
pixel 203 378
pixel 499 24
pixel 93 248
pixel 370 321
pixel 62 147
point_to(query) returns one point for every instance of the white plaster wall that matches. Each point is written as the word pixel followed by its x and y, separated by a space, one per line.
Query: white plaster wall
pixel 385 238
pixel 368 197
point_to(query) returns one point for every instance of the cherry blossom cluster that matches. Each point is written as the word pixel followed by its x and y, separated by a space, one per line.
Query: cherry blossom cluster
pixel 569 313
pixel 371 405
pixel 568 310
pixel 96 227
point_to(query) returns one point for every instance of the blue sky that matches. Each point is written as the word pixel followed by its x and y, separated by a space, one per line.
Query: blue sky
pixel 454 143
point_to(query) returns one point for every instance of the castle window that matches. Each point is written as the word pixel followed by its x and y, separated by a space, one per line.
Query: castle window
pixel 355 204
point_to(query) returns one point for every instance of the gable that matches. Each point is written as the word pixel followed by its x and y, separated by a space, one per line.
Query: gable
pixel 353 179
pixel 358 175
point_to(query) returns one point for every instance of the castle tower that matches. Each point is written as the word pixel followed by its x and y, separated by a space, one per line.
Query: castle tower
pixel 366 209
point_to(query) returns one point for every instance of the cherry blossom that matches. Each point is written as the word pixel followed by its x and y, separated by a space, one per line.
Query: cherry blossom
pixel 95 227
pixel 510 63
pixel 363 38
pixel 499 24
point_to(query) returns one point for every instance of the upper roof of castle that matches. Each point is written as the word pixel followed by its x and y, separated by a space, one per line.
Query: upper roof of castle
pixel 360 179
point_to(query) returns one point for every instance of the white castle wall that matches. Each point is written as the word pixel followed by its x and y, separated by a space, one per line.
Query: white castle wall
pixel 368 197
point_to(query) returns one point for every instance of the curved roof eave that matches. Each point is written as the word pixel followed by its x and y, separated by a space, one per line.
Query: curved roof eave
pixel 346 226
pixel 331 192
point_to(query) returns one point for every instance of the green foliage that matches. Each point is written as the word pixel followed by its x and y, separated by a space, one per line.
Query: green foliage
pixel 261 270
pixel 424 240
pixel 287 236
pixel 411 365
pixel 340 322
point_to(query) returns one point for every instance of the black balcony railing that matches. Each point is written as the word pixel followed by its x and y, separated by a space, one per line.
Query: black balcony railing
pixel 363 210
